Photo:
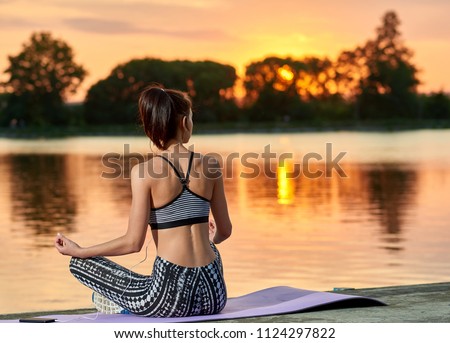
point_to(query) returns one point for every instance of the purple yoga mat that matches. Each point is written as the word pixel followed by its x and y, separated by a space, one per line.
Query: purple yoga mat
pixel 270 301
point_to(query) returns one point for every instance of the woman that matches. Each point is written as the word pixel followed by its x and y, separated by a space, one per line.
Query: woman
pixel 173 191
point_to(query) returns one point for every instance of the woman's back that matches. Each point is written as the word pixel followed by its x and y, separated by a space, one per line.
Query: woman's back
pixel 180 192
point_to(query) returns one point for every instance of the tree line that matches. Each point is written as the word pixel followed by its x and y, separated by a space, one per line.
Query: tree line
pixel 374 81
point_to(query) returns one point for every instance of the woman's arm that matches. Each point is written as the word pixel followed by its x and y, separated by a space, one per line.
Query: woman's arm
pixel 219 208
pixel 132 241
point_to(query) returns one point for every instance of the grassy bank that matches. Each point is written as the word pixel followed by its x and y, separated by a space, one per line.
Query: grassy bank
pixel 229 127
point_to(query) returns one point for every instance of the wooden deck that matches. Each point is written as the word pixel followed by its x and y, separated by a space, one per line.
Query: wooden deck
pixel 427 303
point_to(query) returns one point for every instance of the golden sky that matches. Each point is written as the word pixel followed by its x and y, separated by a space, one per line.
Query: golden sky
pixel 104 33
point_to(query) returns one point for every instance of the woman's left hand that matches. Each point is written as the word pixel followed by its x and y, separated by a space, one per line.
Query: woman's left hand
pixel 212 229
pixel 66 246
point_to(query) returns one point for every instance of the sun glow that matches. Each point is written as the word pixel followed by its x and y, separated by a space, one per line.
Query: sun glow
pixel 285 183
pixel 285 73
pixel 285 77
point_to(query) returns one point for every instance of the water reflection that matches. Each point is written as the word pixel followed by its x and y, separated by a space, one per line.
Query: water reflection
pixel 285 183
pixel 41 195
pixel 363 230
pixel 370 193
pixel 392 189
pixel 45 189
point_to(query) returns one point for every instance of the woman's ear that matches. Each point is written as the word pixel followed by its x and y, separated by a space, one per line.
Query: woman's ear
pixel 184 123
pixel 184 128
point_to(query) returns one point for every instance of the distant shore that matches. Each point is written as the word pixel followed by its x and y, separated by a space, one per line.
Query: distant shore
pixel 29 132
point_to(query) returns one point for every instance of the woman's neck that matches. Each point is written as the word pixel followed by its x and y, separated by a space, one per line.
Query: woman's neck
pixel 174 148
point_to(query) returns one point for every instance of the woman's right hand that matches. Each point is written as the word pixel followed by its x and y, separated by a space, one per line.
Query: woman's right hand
pixel 65 246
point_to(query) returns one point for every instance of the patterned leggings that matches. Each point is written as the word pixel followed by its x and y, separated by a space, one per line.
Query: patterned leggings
pixel 171 290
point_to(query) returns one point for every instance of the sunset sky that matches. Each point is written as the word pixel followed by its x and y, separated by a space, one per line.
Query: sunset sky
pixel 104 33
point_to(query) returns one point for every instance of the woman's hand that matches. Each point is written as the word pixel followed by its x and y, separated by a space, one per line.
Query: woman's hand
pixel 212 230
pixel 67 247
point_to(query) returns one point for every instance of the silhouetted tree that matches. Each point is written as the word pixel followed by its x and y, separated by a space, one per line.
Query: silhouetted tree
pixel 350 69
pixel 437 106
pixel 40 78
pixel 270 88
pixel 317 82
pixel 114 99
pixel 389 88
pixel 211 85
pixel 279 88
pixel 4 97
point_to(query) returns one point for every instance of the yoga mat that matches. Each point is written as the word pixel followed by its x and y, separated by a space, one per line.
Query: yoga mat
pixel 270 301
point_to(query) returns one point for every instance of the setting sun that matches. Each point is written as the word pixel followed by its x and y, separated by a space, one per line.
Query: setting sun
pixel 286 73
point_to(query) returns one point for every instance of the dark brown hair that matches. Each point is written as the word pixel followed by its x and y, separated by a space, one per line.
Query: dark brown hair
pixel 160 110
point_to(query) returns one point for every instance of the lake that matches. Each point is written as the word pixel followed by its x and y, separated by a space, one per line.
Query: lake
pixel 309 210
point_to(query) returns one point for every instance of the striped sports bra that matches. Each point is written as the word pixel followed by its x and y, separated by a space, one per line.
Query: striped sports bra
pixel 186 209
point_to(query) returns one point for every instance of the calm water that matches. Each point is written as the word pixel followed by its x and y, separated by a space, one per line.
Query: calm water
pixel 381 220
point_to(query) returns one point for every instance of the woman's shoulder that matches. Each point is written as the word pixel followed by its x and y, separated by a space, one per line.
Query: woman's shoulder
pixel 209 158
pixel 209 164
pixel 148 169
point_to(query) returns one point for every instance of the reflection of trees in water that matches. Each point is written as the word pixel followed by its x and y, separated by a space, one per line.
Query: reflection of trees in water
pixel 381 192
pixel 303 192
pixel 43 198
pixel 120 181
pixel 40 192
pixel 391 190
